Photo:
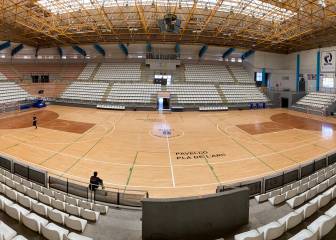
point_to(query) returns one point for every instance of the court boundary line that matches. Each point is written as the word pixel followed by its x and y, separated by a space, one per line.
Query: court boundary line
pixel 111 130
pixel 186 186
pixel 260 143
pixel 178 165
pixel 255 177
pixel 170 159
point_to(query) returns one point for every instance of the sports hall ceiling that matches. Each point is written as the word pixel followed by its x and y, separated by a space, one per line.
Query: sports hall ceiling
pixel 277 26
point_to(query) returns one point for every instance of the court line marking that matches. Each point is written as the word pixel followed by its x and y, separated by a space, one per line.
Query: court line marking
pixel 67 146
pixel 262 155
pixel 186 186
pixel 59 143
pixel 111 130
pixel 242 146
pixel 150 132
pixel 251 141
pixel 263 144
pixel 178 165
pixel 131 170
pixel 232 181
pixel 170 159
pixel 211 169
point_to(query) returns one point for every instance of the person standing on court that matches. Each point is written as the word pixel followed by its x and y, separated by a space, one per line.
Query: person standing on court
pixel 35 122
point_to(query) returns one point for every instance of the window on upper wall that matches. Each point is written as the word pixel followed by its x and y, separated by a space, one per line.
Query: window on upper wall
pixel 328 81
pixel 258 76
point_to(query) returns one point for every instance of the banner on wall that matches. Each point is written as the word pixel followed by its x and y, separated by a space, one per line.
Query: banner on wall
pixel 311 77
pixel 328 61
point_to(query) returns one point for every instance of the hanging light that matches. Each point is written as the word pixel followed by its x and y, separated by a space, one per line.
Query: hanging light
pixel 322 3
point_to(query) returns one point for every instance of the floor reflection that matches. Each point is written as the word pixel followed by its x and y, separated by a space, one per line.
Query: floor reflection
pixel 327 131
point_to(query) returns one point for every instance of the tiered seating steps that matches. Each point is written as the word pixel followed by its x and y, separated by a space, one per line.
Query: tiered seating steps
pixel 85 91
pixel 241 94
pixel 317 100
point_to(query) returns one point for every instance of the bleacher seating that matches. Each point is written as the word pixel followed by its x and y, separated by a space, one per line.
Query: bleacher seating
pixel 50 90
pixel 71 72
pixel 298 192
pixel 66 72
pixel 11 92
pixel 40 209
pixel 26 70
pixel 317 100
pixel 7 233
pixel 213 108
pixel 87 91
pixel 240 73
pixel 317 190
pixel 133 93
pixel 238 94
pixel 207 73
pixel 2 76
pixel 118 72
pixel 111 106
pixel 199 94
pixel 8 72
pixel 87 71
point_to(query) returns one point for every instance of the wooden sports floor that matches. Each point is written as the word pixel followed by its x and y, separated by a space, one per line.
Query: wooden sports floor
pixel 167 154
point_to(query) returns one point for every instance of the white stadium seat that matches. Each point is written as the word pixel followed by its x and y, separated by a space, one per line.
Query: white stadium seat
pixel 75 223
pixel 100 208
pixel 34 222
pixel 75 236
pixel 40 208
pixel 305 234
pixel 53 232
pixel 71 209
pixel 272 230
pixel 15 211
pixel 60 205
pixel 291 220
pixel 26 201
pixel 89 215
pixel 4 201
pixel 250 235
pixel 57 216
pixel 6 233
pixel 308 209
pixel 322 225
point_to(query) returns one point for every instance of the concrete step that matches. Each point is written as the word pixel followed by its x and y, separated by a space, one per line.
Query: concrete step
pixel 231 73
pixel 221 94
pixel 107 92
pixel 94 72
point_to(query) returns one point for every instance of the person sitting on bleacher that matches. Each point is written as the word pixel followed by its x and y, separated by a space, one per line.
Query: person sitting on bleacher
pixel 95 182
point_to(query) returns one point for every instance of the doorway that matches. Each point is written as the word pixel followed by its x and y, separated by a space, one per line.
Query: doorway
pixel 163 103
pixel 284 102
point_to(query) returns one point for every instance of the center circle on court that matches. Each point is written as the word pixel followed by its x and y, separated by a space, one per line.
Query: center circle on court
pixel 164 130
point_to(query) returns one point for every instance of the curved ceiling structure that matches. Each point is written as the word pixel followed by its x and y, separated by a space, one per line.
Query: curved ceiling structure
pixel 278 26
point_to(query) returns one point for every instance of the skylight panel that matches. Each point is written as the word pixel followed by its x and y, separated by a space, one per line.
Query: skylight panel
pixel 252 8
pixel 258 9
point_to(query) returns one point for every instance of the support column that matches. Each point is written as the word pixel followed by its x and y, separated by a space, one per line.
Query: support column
pixel 263 77
pixel 318 66
pixel 297 72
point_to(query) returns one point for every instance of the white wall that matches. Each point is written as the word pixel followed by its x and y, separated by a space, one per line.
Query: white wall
pixel 136 50
pixel 281 67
